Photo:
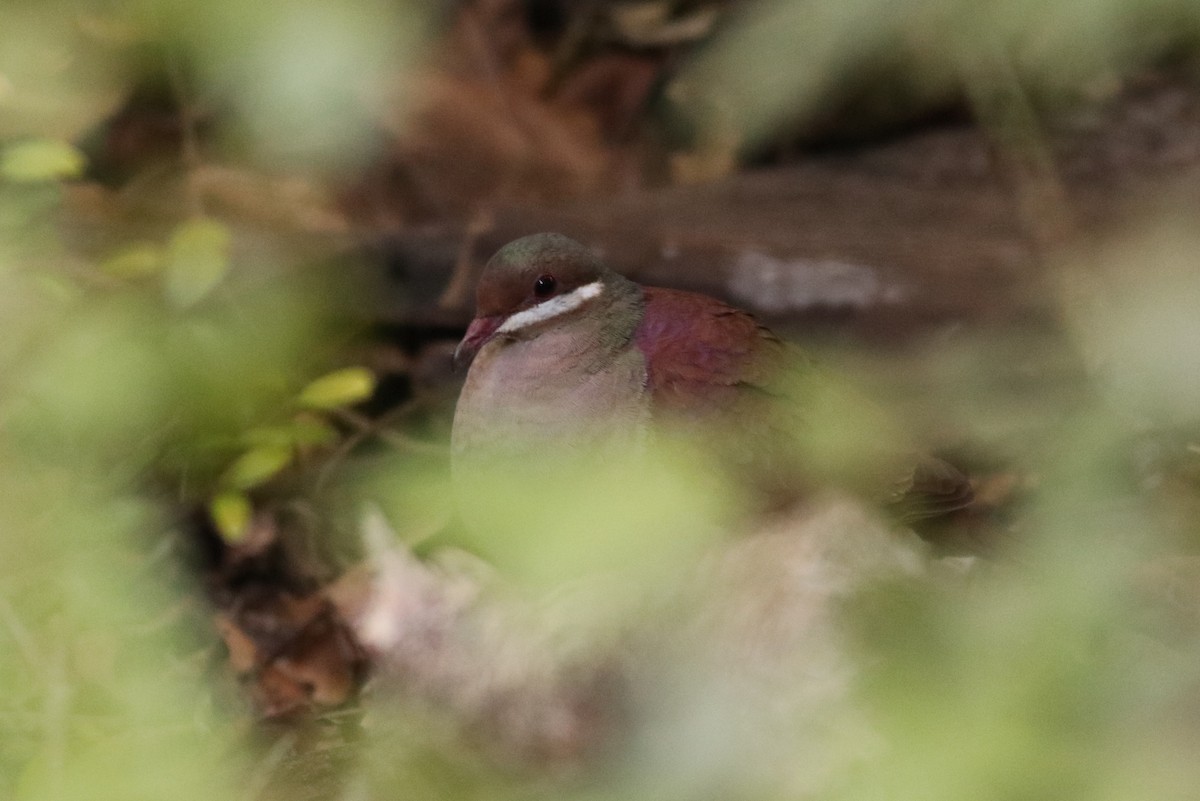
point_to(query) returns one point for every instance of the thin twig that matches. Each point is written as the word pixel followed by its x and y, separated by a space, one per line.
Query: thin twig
pixel 21 635
pixel 365 428
pixel 189 136
pixel 457 294
pixel 1007 115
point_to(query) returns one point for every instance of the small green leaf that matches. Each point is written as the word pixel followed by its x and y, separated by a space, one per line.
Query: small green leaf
pixel 267 436
pixel 231 513
pixel 256 466
pixel 298 433
pixel 339 388
pixel 41 160
pixel 135 261
pixel 197 260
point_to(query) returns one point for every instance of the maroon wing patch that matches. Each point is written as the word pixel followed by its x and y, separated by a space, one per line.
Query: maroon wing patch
pixel 703 356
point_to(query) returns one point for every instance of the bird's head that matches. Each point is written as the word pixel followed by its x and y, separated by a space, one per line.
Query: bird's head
pixel 532 282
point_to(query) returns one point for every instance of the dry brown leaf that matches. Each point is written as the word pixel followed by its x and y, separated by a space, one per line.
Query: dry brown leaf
pixel 468 143
pixel 613 88
pixel 243 652
pixel 293 651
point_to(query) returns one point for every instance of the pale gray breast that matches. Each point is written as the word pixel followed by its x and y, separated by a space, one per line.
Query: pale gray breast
pixel 531 409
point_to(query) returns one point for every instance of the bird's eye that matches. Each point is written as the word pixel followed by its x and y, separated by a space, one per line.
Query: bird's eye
pixel 544 286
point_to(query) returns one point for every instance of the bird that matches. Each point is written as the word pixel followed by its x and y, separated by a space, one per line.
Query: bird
pixel 567 356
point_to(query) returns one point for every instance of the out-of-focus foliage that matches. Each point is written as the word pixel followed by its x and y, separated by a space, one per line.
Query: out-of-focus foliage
pixel 197 260
pixel 1133 302
pixel 560 518
pixel 144 352
pixel 303 75
pixel 780 60
pixel 107 688
pixel 341 388
pixel 231 511
pixel 106 698
pixel 41 160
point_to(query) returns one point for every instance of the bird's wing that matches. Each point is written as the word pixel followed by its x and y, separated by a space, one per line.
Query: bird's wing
pixel 707 361
pixel 703 356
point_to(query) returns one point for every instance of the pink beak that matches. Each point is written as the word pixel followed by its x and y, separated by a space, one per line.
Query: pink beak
pixel 478 333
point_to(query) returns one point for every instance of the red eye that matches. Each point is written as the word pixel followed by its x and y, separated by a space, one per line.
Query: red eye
pixel 544 286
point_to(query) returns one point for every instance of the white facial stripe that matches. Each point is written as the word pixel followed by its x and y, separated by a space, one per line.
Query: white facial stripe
pixel 551 308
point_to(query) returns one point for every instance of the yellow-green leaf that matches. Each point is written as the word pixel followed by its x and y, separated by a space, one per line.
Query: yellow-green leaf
pixel 231 513
pixel 135 261
pixel 41 160
pixel 256 466
pixel 339 388
pixel 197 260
pixel 298 433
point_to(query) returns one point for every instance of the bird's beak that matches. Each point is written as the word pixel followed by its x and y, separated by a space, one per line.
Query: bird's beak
pixel 478 333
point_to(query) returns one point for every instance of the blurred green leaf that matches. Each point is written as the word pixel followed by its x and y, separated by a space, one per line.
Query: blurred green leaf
pixel 313 64
pixel 197 260
pixel 96 386
pixel 256 466
pixel 231 511
pixel 77 722
pixel 644 515
pixel 779 64
pixel 41 160
pixel 303 431
pixel 339 388
pixel 135 261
